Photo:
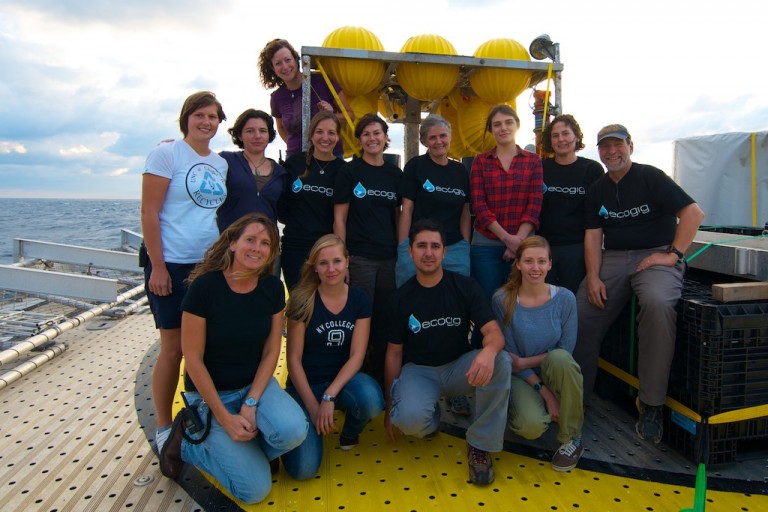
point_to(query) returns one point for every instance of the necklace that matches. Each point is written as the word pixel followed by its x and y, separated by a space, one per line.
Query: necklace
pixel 323 167
pixel 255 167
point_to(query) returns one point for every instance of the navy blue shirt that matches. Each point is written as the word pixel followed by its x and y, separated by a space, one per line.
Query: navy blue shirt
pixel 328 337
pixel 242 195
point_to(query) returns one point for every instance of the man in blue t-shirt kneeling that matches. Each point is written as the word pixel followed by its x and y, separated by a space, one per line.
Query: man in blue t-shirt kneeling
pixel 429 354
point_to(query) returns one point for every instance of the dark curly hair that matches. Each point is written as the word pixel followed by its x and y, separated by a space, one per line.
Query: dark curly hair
pixel 570 122
pixel 269 78
pixel 236 131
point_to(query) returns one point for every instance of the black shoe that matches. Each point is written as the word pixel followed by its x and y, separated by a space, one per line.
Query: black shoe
pixel 170 456
pixel 347 443
pixel 649 425
pixel 480 466
pixel 459 405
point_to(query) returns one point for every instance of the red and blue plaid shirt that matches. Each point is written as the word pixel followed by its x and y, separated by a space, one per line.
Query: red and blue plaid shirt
pixel 509 198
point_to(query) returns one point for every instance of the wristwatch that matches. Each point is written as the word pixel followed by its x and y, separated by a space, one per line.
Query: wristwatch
pixel 672 249
pixel 251 402
pixel 537 387
pixel 328 398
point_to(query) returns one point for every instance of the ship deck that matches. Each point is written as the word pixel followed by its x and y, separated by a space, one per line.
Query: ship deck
pixel 74 436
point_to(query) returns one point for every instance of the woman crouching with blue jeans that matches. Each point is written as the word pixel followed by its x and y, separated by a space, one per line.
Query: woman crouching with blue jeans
pixel 328 327
pixel 231 328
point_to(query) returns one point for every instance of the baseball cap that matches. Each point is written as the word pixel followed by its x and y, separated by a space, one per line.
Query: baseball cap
pixel 617 131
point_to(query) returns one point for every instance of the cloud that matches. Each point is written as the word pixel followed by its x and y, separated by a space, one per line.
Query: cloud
pixel 89 88
pixel 12 147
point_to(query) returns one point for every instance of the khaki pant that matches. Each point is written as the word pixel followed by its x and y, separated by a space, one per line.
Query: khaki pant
pixel 527 414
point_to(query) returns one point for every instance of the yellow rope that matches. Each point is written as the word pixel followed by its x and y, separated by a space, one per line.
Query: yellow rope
pixel 546 98
pixel 347 143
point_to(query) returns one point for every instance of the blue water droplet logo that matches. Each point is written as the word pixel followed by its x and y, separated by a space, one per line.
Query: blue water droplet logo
pixel 296 186
pixel 545 189
pixel 359 190
pixel 603 212
pixel 413 324
pixel 428 186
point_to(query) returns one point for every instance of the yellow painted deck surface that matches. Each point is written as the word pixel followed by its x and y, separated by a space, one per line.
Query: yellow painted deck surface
pixel 70 440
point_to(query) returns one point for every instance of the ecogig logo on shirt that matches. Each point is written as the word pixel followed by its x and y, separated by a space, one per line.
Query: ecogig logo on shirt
pixel 206 186
pixel 429 187
pixel 297 186
pixel 625 214
pixel 447 321
pixel 571 191
pixel 360 192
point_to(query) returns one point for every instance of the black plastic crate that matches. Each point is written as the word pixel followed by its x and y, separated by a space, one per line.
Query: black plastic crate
pixel 726 443
pixel 736 230
pixel 721 356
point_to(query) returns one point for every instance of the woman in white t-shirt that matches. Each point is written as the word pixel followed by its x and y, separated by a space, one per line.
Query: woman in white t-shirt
pixel 183 184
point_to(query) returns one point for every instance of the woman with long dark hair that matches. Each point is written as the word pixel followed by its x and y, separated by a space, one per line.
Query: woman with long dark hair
pixel 231 330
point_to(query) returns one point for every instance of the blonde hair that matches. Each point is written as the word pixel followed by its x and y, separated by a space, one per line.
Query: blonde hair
pixel 512 287
pixel 219 257
pixel 301 303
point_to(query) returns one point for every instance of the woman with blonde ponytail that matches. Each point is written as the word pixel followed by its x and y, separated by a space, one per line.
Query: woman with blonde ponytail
pixel 328 327
pixel 539 324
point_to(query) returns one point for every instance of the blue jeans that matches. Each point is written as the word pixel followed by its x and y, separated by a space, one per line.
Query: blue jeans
pixel 292 262
pixel 415 393
pixel 361 400
pixel 489 268
pixel 242 468
pixel 456 259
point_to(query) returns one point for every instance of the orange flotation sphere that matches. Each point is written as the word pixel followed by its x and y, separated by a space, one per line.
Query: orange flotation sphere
pixel 500 85
pixel 356 77
pixel 426 82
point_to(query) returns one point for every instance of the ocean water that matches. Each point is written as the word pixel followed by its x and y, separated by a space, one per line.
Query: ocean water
pixel 86 222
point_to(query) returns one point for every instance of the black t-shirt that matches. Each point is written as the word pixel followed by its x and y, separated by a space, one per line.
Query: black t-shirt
pixel 561 220
pixel 638 212
pixel 438 192
pixel 371 192
pixel 433 323
pixel 236 326
pixel 328 337
pixel 307 202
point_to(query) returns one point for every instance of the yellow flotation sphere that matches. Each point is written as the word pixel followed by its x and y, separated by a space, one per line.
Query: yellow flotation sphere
pixel 360 105
pixel 426 82
pixel 450 114
pixel 500 85
pixel 356 77
pixel 472 114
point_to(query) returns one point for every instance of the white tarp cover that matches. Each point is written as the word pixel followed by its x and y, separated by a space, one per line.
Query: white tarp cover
pixel 716 170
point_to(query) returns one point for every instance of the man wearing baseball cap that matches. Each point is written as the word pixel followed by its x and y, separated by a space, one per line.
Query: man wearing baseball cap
pixel 639 223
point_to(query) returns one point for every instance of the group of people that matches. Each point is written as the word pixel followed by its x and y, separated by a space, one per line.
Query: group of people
pixel 396 298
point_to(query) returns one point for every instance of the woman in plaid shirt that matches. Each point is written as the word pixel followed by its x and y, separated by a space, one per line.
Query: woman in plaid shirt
pixel 506 186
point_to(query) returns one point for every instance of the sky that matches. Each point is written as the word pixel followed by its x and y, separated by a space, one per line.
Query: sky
pixel 88 88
